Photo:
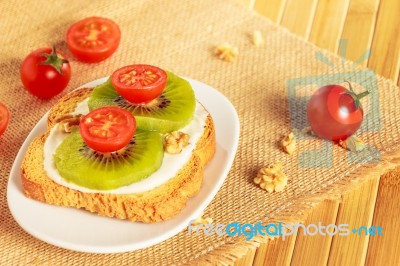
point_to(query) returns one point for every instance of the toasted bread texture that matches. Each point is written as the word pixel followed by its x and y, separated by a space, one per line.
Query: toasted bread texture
pixel 158 204
pixel 67 104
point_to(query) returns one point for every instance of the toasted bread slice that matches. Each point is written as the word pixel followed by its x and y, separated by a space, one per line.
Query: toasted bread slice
pixel 158 204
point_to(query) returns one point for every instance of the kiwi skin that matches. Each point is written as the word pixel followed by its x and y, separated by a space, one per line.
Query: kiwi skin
pixel 85 167
pixel 171 111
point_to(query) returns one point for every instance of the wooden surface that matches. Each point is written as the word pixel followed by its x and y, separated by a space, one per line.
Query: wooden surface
pixel 364 25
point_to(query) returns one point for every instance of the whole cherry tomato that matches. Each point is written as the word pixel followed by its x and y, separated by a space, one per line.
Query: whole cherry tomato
pixel 108 129
pixel 45 72
pixel 4 118
pixel 334 112
pixel 93 39
pixel 139 83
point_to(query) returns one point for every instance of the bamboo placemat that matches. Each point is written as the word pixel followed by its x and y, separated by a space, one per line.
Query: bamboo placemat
pixel 265 84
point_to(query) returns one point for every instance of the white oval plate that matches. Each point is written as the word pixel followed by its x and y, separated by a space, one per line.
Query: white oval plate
pixel 80 230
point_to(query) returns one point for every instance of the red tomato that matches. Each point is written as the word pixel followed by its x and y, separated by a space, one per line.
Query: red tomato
pixel 335 113
pixel 93 39
pixel 108 129
pixel 45 72
pixel 4 118
pixel 139 83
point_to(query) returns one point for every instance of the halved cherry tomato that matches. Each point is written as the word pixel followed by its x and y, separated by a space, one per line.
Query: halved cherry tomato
pixel 334 112
pixel 4 118
pixel 93 39
pixel 139 83
pixel 108 129
pixel 45 72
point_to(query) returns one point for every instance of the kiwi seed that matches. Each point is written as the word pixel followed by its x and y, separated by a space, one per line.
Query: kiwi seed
pixel 107 157
pixel 158 103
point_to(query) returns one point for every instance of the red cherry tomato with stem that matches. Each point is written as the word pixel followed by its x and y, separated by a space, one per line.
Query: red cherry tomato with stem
pixel 139 83
pixel 4 118
pixel 45 72
pixel 107 129
pixel 334 112
pixel 93 39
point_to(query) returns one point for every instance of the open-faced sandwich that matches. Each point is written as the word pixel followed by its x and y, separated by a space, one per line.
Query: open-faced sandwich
pixel 133 147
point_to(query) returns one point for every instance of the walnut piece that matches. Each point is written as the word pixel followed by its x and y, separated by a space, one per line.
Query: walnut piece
pixel 201 220
pixel 226 52
pixel 353 143
pixel 67 122
pixel 175 141
pixel 288 143
pixel 271 178
pixel 257 39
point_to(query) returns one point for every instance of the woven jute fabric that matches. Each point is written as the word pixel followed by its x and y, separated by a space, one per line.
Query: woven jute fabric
pixel 181 36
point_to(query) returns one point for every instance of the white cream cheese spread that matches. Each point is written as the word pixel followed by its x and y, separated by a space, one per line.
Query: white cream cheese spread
pixel 81 108
pixel 169 168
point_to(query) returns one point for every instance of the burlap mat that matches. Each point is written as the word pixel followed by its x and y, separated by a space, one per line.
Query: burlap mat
pixel 180 36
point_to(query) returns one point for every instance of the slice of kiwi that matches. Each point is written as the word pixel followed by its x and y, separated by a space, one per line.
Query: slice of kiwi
pixel 79 164
pixel 172 110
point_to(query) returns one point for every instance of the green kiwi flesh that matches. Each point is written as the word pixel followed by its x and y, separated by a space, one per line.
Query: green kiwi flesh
pixel 79 164
pixel 171 111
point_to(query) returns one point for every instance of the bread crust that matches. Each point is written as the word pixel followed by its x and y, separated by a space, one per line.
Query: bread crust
pixel 161 203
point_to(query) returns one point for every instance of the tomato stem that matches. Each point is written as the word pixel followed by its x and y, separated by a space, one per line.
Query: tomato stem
pixel 362 95
pixel 53 60
pixel 356 97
